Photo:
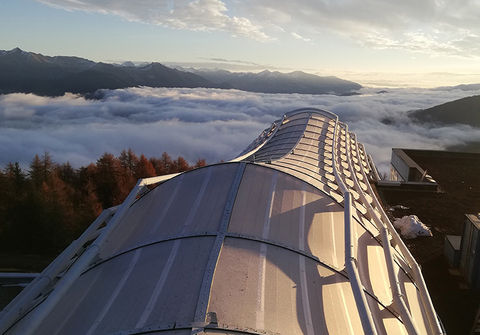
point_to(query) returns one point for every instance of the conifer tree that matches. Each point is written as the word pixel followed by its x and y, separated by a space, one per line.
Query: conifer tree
pixel 144 168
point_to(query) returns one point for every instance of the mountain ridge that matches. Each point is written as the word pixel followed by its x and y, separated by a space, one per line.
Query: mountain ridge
pixel 28 72
pixel 277 82
pixel 463 111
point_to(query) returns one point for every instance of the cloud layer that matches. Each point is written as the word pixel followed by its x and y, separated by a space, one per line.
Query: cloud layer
pixel 205 123
pixel 432 26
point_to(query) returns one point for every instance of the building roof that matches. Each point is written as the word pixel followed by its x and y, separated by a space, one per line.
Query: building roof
pixel 288 238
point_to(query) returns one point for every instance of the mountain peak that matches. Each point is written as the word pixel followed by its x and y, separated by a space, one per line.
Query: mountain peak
pixel 265 72
pixel 16 50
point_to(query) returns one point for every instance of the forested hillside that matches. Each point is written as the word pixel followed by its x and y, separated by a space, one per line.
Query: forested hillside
pixel 43 208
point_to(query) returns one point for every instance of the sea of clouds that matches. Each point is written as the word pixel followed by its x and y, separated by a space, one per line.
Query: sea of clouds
pixel 207 123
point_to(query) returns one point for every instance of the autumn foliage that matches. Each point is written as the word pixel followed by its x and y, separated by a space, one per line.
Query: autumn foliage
pixel 45 207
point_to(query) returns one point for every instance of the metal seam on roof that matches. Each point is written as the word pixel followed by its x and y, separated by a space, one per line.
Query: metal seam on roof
pixel 231 235
pixel 299 137
pixel 204 295
pixel 301 134
pixel 346 132
pixel 271 166
pixel 270 132
pixel 193 326
pixel 260 308
pixel 303 285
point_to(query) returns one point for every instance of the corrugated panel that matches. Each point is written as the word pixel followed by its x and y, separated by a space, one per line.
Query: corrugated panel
pixel 130 291
pixel 413 301
pixel 288 293
pixel 373 268
pixel 275 206
pixel 289 131
pixel 190 203
pixel 385 321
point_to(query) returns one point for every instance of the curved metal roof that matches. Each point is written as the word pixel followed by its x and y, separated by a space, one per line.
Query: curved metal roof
pixel 289 238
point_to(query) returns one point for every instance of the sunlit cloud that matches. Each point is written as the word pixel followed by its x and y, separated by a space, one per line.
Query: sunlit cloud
pixel 206 123
pixel 198 15
pixel 431 27
pixel 299 37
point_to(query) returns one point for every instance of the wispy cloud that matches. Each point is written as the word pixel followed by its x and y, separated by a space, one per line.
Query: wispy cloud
pixel 299 37
pixel 232 61
pixel 205 123
pixel 197 15
pixel 435 27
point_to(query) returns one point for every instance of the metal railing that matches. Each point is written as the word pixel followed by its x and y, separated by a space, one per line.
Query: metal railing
pixel 350 258
pixel 392 276
pixel 434 324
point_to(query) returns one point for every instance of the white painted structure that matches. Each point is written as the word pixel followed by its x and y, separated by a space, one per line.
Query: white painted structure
pixel 289 238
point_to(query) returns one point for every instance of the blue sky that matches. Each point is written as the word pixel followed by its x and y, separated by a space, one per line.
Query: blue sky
pixel 383 43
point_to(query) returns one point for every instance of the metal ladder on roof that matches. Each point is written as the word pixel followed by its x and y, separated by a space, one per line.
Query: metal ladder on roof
pixel 386 231
pixel 350 258
pixel 398 298
pixel 433 321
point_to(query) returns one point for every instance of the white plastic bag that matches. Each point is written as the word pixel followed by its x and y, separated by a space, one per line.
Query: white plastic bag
pixel 411 227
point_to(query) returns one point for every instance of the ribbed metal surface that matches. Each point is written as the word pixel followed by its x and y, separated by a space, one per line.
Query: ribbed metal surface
pixel 254 246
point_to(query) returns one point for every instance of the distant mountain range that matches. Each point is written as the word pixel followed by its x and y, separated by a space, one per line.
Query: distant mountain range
pixel 28 72
pixel 277 82
pixel 464 111
pixel 462 87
